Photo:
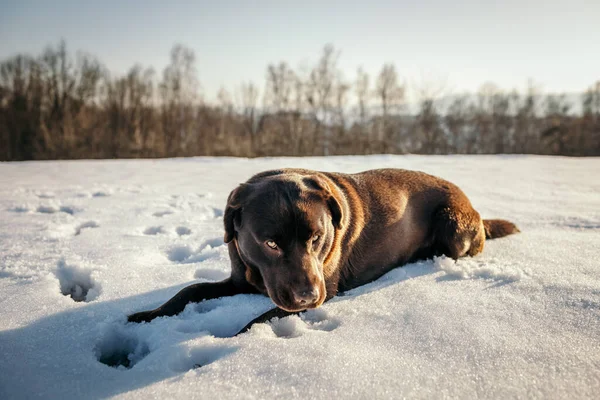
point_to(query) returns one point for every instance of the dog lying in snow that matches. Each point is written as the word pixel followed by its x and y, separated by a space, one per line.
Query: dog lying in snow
pixel 301 236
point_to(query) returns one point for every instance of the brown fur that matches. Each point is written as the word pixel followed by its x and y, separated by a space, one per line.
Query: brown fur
pixel 333 232
pixel 495 228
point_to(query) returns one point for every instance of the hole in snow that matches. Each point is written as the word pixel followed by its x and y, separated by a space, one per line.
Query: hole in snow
pixel 51 210
pixel 153 230
pixel 288 327
pixel 46 209
pixel 216 242
pixel 295 326
pixel 67 209
pixel 162 213
pixel 76 282
pixel 120 349
pixel 185 254
pixel 179 253
pixel 182 230
pixel 85 225
pixel 319 320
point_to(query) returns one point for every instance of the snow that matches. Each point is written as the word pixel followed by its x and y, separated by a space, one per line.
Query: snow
pixel 84 243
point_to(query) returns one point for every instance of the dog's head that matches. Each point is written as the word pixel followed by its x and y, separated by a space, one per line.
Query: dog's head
pixel 284 228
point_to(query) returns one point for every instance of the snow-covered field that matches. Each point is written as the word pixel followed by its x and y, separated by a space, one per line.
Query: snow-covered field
pixel 521 320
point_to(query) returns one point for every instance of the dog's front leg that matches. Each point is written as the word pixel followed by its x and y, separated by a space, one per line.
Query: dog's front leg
pixel 274 313
pixel 191 294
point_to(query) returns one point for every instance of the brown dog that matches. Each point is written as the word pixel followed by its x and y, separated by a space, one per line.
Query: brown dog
pixel 301 236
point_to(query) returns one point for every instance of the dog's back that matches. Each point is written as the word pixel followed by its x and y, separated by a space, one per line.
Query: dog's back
pixel 400 216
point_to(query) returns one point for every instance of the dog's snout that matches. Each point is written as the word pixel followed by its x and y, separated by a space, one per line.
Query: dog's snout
pixel 306 296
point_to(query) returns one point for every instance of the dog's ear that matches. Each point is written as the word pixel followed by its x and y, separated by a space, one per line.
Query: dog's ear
pixel 231 217
pixel 318 183
pixel 336 211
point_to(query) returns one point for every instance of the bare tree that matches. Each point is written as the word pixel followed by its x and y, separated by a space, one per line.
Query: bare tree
pixel 558 134
pixel 457 121
pixel 280 84
pixel 280 123
pixel 320 94
pixel 179 94
pixel 338 122
pixel 363 95
pixel 391 96
pixel 590 124
pixel 502 122
pixel 527 136
pixel 429 129
pixel 249 100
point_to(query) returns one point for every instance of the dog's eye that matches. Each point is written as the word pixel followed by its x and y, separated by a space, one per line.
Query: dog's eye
pixel 315 238
pixel 271 244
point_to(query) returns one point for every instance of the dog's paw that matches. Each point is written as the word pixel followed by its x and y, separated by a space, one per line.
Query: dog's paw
pixel 143 316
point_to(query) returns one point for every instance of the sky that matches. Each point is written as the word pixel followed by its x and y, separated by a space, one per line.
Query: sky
pixel 453 45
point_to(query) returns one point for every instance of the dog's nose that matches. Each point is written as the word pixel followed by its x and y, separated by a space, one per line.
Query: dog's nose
pixel 306 296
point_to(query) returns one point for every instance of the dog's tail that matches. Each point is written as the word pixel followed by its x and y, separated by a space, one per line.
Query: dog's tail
pixel 497 228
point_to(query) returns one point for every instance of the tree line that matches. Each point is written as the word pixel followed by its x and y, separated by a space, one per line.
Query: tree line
pixel 60 106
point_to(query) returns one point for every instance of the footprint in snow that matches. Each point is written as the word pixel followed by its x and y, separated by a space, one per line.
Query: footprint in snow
pixel 160 214
pixel 51 209
pixel 179 253
pixel 154 230
pixel 46 209
pixel 19 209
pixel 319 320
pixel 215 242
pixel 76 282
pixel 185 254
pixel 67 209
pixel 120 348
pixel 182 230
pixel 85 225
pixel 295 326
